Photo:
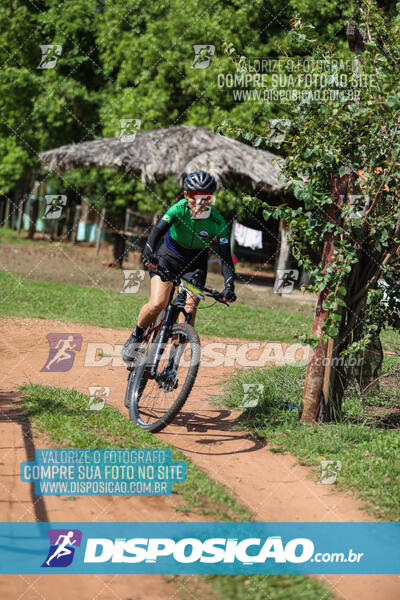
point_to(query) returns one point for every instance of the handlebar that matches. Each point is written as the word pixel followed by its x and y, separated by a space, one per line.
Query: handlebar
pixel 176 280
pixel 166 275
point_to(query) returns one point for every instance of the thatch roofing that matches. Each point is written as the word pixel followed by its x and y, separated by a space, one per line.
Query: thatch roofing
pixel 175 151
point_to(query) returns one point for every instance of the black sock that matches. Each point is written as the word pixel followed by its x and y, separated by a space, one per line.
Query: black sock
pixel 139 332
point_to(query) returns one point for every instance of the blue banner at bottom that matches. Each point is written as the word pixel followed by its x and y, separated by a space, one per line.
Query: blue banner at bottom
pixel 196 548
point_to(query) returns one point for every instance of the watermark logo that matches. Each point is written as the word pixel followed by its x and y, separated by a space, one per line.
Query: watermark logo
pixel 339 361
pixel 285 280
pixel 329 471
pixel 133 279
pixel 268 79
pixel 194 550
pixel 278 130
pixel 202 207
pixel 54 206
pixel 63 543
pixel 202 55
pixel 252 394
pixel 98 395
pixel 50 54
pixel 62 351
pixel 213 355
pixel 129 129
pixel 358 205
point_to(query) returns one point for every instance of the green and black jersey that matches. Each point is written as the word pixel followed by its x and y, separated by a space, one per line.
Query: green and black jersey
pixel 187 237
pixel 186 233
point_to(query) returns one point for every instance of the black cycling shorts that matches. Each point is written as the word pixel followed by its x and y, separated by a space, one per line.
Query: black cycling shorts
pixel 185 266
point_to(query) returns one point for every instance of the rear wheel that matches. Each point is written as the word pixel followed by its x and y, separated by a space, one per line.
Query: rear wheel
pixel 155 401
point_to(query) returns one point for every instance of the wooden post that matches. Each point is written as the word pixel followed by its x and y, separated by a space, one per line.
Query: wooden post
pixel 21 207
pixel 232 238
pixel 127 219
pixel 77 217
pixel 85 205
pixel 284 252
pixel 14 207
pixel 100 230
pixel 7 215
pixel 34 210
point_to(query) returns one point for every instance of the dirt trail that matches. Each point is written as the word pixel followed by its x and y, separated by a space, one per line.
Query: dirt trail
pixel 273 486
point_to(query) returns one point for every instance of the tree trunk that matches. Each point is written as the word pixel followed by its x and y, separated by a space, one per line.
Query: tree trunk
pixel 350 331
pixel 100 230
pixel 320 363
pixel 119 249
pixel 21 208
pixel 311 401
pixel 6 222
pixel 370 369
pixel 283 263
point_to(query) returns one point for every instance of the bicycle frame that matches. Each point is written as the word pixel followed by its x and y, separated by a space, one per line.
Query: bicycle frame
pixel 163 329
pixel 171 316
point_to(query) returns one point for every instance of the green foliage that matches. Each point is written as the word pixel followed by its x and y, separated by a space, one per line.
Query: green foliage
pixel 273 587
pixel 128 59
pixel 353 133
pixel 365 441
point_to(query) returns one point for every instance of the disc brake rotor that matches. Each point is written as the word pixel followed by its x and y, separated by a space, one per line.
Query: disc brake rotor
pixel 168 379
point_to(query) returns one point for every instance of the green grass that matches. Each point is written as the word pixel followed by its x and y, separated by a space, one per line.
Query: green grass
pixel 66 302
pixel 256 587
pixel 10 236
pixel 366 441
pixel 49 300
pixel 63 415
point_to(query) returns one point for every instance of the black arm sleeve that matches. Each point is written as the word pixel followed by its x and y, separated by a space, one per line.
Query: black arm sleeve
pixel 228 270
pixel 159 230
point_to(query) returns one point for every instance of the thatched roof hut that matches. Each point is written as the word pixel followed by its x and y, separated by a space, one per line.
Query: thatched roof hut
pixel 173 151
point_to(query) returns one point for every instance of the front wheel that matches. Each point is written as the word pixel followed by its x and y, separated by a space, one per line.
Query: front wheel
pixel 154 401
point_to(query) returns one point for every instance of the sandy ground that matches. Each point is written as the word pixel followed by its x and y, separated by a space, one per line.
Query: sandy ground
pixel 275 487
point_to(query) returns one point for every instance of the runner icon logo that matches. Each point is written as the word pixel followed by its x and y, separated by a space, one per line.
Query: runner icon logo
pixel 62 351
pixel 203 54
pixel 133 279
pixel 329 471
pixel 285 280
pixel 50 54
pixel 129 129
pixel 62 547
pixel 98 394
pixel 54 206
pixel 252 394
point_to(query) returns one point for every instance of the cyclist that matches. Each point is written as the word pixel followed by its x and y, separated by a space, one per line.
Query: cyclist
pixel 189 227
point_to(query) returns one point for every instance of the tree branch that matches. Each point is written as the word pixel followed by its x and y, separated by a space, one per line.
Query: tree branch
pixel 385 261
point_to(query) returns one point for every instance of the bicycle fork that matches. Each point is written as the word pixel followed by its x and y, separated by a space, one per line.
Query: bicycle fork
pixel 172 313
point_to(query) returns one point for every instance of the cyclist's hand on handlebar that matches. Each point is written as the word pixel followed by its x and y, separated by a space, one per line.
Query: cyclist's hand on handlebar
pixel 228 294
pixel 150 262
pixel 150 266
pixel 163 273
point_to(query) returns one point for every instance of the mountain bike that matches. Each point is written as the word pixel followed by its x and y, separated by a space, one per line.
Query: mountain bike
pixel 167 360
